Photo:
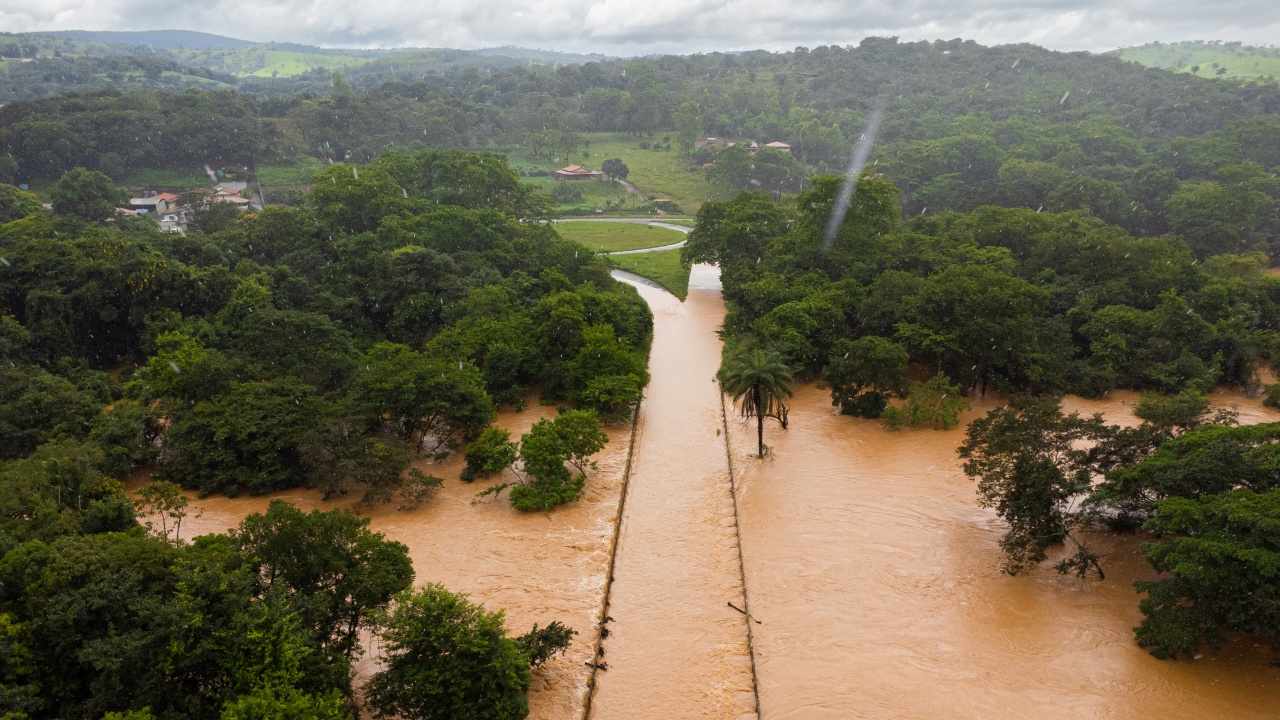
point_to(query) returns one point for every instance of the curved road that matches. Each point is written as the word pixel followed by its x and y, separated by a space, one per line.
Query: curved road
pixel 638 221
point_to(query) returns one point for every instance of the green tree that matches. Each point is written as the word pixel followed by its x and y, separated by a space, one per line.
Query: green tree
pixel 444 403
pixel 1033 464
pixel 572 437
pixel 759 383
pixel 863 374
pixel 491 453
pixel 1211 218
pixel 445 658
pixel 338 571
pixel 248 439
pixel 87 194
pixel 542 645
pixel 162 501
pixel 15 203
pixel 1221 554
pixel 615 168
pixel 276 702
pixel 688 126
pixel 1208 460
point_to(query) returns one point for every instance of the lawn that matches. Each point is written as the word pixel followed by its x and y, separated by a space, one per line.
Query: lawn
pixel 658 173
pixel 612 237
pixel 168 178
pixel 299 174
pixel 664 268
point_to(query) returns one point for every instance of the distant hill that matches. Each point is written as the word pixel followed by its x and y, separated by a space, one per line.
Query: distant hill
pixel 168 39
pixel 550 57
pixel 1208 59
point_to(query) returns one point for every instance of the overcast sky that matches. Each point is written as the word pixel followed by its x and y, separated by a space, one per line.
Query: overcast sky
pixel 639 27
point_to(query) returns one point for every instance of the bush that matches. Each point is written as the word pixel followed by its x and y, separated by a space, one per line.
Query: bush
pixel 935 402
pixel 542 645
pixel 1272 397
pixel 489 455
pixel 566 194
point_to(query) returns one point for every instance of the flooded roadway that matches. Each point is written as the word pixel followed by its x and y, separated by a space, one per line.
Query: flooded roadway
pixel 675 648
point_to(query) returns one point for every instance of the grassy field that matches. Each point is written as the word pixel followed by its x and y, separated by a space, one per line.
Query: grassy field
pixel 1239 61
pixel 612 237
pixel 299 174
pixel 266 63
pixel 658 173
pixel 664 268
pixel 177 179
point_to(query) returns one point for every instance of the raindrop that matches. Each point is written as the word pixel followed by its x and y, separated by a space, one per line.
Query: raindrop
pixel 1064 97
pixel 174 366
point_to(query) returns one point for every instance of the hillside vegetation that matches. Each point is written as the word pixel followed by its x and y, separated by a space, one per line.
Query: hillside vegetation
pixel 1208 59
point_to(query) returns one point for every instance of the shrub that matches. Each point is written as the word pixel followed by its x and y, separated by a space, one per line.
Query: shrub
pixel 935 402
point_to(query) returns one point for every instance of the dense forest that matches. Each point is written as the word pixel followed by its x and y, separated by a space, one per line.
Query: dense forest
pixel 1144 149
pixel 324 347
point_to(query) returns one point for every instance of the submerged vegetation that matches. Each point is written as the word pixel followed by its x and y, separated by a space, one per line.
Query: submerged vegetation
pixel 326 347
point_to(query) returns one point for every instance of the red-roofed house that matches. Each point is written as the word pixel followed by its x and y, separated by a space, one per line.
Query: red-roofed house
pixel 577 172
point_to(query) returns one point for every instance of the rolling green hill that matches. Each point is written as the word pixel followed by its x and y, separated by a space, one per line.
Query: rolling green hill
pixel 1208 59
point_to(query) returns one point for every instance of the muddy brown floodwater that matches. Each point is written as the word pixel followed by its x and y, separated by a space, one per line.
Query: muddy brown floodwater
pixel 675 648
pixel 539 567
pixel 876 575
pixel 868 560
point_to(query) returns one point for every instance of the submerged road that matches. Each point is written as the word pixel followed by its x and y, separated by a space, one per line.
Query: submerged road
pixel 675 649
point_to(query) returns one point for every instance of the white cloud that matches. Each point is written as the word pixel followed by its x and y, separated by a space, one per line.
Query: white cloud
pixel 630 27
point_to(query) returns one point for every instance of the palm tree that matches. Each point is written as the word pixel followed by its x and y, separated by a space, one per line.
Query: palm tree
pixel 760 383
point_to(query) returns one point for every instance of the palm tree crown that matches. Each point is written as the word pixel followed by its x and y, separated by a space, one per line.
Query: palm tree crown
pixel 759 382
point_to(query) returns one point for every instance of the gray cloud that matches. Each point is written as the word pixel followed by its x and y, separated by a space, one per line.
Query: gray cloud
pixel 632 27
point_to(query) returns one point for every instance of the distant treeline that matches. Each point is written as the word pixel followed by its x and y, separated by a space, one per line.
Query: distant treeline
pixel 965 125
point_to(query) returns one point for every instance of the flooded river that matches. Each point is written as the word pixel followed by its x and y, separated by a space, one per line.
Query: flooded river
pixel 539 567
pixel 868 560
pixel 876 575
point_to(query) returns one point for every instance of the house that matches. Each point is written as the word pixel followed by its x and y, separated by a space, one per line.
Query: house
pixel 155 203
pixel 239 202
pixel 711 142
pixel 577 172
pixel 779 146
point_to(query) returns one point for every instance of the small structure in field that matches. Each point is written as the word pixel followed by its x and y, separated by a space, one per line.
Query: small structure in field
pixel 577 172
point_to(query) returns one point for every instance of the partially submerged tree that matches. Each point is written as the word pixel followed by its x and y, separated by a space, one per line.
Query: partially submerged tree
pixel 1221 557
pixel 864 373
pixel 1033 466
pixel 936 402
pixel 759 383
pixel 162 502
pixel 446 658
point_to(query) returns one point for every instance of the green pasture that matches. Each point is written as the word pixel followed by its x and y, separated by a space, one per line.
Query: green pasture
pixel 612 237
pixel 665 268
